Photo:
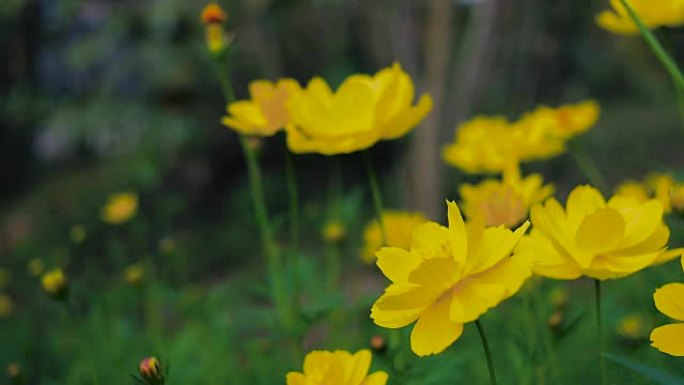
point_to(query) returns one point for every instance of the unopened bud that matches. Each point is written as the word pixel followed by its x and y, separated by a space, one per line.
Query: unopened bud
pixel 55 284
pixel 150 371
pixel 378 344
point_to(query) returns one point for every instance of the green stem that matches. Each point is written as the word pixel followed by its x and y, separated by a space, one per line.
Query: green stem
pixel 86 348
pixel 599 327
pixel 293 193
pixel 377 196
pixel 656 47
pixel 588 167
pixel 488 353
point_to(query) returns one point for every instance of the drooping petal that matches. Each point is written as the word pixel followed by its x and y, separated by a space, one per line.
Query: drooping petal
pixel 613 266
pixel 434 330
pixel 401 305
pixel 669 300
pixel 669 339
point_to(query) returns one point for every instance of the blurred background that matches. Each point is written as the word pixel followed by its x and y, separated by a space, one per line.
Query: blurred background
pixel 102 96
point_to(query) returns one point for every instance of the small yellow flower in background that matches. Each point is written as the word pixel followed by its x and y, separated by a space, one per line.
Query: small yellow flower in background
pixel 654 14
pixel 362 111
pixel 660 185
pixel 505 202
pixel 677 198
pixel 633 189
pixel 558 297
pixel 35 267
pixel 448 277
pixel 78 233
pixel 55 284
pixel 5 278
pixel 337 368
pixel 563 122
pixel 167 245
pixel 599 239
pixel 120 208
pixel 399 226
pixel 213 17
pixel 14 372
pixel 334 231
pixel 669 300
pixel 151 371
pixel 6 305
pixel 134 274
pixel 266 112
pixel 632 327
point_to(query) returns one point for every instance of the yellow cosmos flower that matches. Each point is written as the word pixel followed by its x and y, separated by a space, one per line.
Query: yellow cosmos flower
pixel 599 239
pixel 504 202
pixel 55 284
pixel 333 231
pixel 633 189
pixel 660 185
pixel 6 305
pixel 565 121
pixel 266 112
pixel 120 208
pixel 677 198
pixel 399 226
pixel 654 14
pixel 337 368
pixel 669 300
pixel 448 277
pixel 632 327
pixel 363 111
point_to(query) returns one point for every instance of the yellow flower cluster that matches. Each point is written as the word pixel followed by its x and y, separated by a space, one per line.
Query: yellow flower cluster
pixel 449 277
pixel 337 368
pixel 492 144
pixel 654 14
pixel 400 225
pixel 660 186
pixel 362 111
pixel 120 208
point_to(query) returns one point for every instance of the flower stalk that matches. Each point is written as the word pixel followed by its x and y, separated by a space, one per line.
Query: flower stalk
pixel 599 328
pixel 377 195
pixel 488 353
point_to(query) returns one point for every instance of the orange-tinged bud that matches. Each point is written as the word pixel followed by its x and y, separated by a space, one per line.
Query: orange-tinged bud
pixel 213 14
pixel 150 370
pixel 378 344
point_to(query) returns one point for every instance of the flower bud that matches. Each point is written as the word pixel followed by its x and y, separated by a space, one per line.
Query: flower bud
pixel 334 231
pixel 55 284
pixel 213 17
pixel 150 371
pixel 556 320
pixel 378 344
pixel 14 374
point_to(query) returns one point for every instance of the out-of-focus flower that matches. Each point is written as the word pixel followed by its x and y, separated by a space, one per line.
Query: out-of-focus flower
pixel 555 320
pixel 266 112
pixel 505 202
pixel 167 245
pixel 633 189
pixel 15 374
pixel 151 371
pixel 363 111
pixel 213 17
pixel 632 327
pixel 78 233
pixel 333 231
pixel 599 239
pixel 5 278
pixel 654 14
pixel 134 274
pixel 565 121
pixel 120 208
pixel 378 344
pixel 35 267
pixel 337 368
pixel 660 185
pixel 6 305
pixel 669 300
pixel 448 277
pixel 677 198
pixel 55 284
pixel 558 297
pixel 399 226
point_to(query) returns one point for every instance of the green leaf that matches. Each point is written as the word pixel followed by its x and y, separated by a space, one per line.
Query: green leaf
pixel 657 375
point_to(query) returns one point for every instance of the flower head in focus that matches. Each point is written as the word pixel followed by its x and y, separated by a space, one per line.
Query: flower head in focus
pixel 599 239
pixel 55 284
pixel 654 14
pixel 337 368
pixel 120 208
pixel 504 202
pixel 669 339
pixel 448 277
pixel 399 226
pixel 362 111
pixel 266 112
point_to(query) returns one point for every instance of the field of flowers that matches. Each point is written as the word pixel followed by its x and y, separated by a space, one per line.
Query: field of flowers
pixel 307 262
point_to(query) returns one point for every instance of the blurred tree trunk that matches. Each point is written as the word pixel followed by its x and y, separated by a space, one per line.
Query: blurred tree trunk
pixel 425 169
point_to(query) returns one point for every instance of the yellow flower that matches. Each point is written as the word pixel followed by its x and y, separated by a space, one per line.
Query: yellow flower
pixel 337 368
pixel 653 14
pixel 363 111
pixel 448 277
pixel 504 202
pixel 35 267
pixel 597 239
pixel 213 18
pixel 633 189
pixel 669 300
pixel 660 185
pixel 120 208
pixel 266 112
pixel 632 327
pixel 334 231
pixel 134 274
pixel 5 278
pixel 55 283
pixel 78 233
pixel 565 121
pixel 399 226
pixel 6 305
pixel 677 198
pixel 13 371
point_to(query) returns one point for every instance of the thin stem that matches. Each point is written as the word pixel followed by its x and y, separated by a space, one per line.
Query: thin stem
pixel 656 47
pixel 377 196
pixel 86 347
pixel 599 327
pixel 588 167
pixel 488 353
pixel 293 192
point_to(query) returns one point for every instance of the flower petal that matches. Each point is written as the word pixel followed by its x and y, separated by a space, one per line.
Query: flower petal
pixel 669 339
pixel 377 378
pixel 397 263
pixel 600 231
pixel 669 300
pixel 435 331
